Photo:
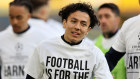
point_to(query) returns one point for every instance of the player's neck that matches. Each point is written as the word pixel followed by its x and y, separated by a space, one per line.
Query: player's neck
pixel 110 34
pixel 69 42
pixel 35 17
pixel 39 16
pixel 23 30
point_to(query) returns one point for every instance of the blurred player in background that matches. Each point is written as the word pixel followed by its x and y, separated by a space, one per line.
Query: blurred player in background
pixel 109 18
pixel 40 15
pixel 17 44
pixel 40 19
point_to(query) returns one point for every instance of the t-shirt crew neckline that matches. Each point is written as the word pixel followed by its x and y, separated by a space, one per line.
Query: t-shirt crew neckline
pixel 71 44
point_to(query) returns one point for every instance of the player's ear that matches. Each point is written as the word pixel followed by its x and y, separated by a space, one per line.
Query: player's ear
pixel 29 15
pixel 64 23
pixel 43 11
pixel 88 30
pixel 117 20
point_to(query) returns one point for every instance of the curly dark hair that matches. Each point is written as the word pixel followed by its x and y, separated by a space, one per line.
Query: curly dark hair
pixel 83 7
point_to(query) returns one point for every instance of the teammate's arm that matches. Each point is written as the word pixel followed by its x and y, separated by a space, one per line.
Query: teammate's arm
pixel 112 57
pixel 29 77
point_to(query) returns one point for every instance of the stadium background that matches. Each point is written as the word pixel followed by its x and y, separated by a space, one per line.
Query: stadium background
pixel 128 8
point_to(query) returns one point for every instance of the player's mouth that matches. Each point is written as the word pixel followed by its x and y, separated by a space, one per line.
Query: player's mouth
pixel 15 26
pixel 75 34
pixel 103 25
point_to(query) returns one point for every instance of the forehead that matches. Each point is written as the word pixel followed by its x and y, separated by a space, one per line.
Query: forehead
pixel 17 10
pixel 105 11
pixel 79 15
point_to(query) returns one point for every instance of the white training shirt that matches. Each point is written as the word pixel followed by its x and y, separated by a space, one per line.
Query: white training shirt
pixel 49 28
pixel 56 25
pixel 108 42
pixel 15 49
pixel 129 42
pixel 56 59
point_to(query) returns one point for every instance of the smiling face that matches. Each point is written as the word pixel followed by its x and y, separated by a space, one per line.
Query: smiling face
pixel 77 26
pixel 18 16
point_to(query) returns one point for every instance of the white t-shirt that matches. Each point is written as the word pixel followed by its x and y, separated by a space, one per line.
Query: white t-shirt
pixel 129 41
pixel 56 25
pixel 49 28
pixel 15 49
pixel 56 59
pixel 108 42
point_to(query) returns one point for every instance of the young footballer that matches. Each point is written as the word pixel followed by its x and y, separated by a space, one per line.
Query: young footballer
pixel 70 56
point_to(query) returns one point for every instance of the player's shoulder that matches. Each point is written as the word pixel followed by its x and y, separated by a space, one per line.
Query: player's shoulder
pixel 34 21
pixel 37 23
pixel 97 52
pixel 130 23
pixel 90 44
pixel 6 32
pixel 52 21
pixel 132 20
pixel 5 35
pixel 53 40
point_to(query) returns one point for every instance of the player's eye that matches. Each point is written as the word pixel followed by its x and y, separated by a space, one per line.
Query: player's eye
pixel 84 24
pixel 73 21
pixel 107 16
pixel 11 17
pixel 99 17
pixel 19 17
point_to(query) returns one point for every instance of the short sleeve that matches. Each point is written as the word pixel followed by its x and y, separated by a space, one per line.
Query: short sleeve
pixel 101 69
pixel 34 67
pixel 119 44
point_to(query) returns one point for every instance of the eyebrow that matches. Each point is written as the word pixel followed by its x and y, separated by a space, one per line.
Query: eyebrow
pixel 77 19
pixel 74 18
pixel 18 16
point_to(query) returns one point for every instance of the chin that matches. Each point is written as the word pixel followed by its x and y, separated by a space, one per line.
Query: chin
pixel 75 41
pixel 105 32
pixel 15 30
